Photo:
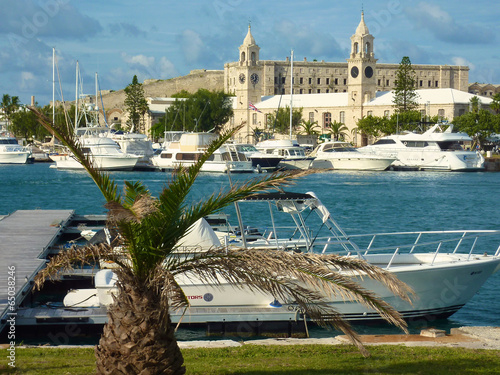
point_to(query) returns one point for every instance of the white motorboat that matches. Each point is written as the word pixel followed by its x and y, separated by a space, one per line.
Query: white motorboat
pixel 343 156
pixel 191 146
pixel 438 149
pixel 444 268
pixel 104 153
pixel 294 156
pixel 260 160
pixel 11 152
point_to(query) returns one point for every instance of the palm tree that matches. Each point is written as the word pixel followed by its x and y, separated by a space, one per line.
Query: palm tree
pixel 9 105
pixel 308 127
pixel 338 130
pixel 138 337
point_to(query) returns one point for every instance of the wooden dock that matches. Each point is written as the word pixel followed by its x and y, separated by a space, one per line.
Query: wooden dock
pixel 25 238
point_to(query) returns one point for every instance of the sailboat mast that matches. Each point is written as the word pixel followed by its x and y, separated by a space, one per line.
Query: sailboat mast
pixel 291 93
pixel 76 97
pixel 53 85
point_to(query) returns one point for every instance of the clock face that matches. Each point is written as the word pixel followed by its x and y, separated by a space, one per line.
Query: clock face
pixel 354 72
pixel 254 78
pixel 368 72
pixel 242 78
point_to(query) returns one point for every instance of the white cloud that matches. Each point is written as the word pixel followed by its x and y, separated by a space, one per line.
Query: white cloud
pixel 28 80
pixel 146 67
pixel 192 46
pixel 444 27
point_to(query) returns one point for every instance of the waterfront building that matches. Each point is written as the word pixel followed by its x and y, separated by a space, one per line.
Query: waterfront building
pixel 327 91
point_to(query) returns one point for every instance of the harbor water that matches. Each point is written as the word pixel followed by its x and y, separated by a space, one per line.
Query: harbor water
pixel 362 202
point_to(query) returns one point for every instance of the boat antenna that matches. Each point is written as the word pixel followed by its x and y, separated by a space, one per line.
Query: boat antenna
pixel 198 119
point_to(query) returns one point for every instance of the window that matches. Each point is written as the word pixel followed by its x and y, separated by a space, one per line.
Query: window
pixel 436 84
pixel 310 81
pixel 441 113
pixel 301 80
pixel 421 83
pixel 336 81
pixel 319 81
pixel 387 83
pixel 328 81
pixel 429 84
pixel 345 81
pixel 254 118
pixel 369 113
pixel 319 91
pixel 327 119
pixel 378 82
pixel 386 113
pixel 283 80
pixel 342 117
pixel 311 117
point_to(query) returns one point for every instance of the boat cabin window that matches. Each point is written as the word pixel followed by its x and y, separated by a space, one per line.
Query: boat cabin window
pixel 450 146
pixel 166 156
pixel 187 156
pixel 415 143
pixel 385 142
pixel 8 142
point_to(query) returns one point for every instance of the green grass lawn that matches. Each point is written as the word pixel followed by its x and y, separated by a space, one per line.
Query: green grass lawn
pixel 296 360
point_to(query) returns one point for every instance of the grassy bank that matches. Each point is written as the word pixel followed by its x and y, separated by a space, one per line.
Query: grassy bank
pixel 297 359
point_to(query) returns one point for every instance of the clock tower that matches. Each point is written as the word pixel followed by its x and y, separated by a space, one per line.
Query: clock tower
pixel 248 81
pixel 361 67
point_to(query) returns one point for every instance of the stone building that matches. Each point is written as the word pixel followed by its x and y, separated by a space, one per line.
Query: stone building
pixel 327 91
pixel 343 92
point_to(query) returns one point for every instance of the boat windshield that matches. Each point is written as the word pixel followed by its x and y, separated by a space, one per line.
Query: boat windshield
pixel 8 142
pixel 339 147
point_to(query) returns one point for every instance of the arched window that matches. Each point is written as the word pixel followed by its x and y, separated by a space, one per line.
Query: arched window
pixel 243 57
pixel 253 56
pixel 355 48
pixel 367 48
pixel 327 119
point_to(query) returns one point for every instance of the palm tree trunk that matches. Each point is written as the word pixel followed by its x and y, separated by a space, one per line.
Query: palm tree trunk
pixel 138 338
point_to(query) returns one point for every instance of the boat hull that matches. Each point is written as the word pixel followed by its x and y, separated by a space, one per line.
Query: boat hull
pixel 107 163
pixel 352 163
pixel 15 157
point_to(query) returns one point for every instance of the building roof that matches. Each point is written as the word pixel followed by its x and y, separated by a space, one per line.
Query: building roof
pixel 432 96
pixel 362 29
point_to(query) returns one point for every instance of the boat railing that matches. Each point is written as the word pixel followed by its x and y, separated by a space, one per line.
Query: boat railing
pixel 455 242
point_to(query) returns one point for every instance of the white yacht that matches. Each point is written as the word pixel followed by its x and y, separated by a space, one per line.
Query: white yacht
pixel 191 146
pixel 444 268
pixel 103 151
pixel 438 149
pixel 294 156
pixel 11 152
pixel 343 156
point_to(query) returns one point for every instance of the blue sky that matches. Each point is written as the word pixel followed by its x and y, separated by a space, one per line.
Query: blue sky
pixel 165 39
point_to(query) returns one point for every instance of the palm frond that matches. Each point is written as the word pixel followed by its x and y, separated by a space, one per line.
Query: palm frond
pixel 68 259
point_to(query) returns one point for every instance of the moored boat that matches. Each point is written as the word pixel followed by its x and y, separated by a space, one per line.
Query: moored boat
pixel 11 152
pixel 185 151
pixel 437 149
pixel 444 268
pixel 343 156
pixel 293 156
